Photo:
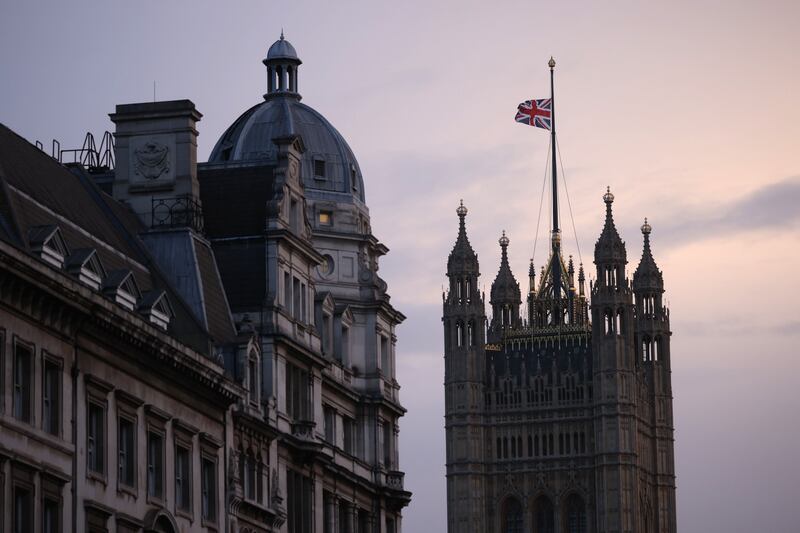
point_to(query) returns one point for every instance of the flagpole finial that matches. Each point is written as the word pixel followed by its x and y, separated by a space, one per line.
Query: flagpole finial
pixel 551 63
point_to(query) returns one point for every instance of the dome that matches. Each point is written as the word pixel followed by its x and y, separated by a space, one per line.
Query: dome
pixel 282 49
pixel 329 168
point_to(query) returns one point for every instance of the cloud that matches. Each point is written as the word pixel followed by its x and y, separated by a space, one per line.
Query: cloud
pixel 772 206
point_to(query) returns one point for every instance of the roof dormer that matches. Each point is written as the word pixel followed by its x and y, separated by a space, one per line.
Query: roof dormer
pixel 85 265
pixel 120 286
pixel 48 243
pixel 156 308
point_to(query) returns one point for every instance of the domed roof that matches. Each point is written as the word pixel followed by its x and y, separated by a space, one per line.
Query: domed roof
pixel 282 49
pixel 329 169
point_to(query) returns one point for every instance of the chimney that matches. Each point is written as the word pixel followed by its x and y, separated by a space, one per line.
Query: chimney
pixel 156 162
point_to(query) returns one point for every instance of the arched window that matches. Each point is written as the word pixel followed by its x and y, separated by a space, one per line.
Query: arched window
pixel 543 515
pixel 512 516
pixel 471 333
pixel 647 346
pixel 620 324
pixel 608 319
pixel 459 334
pixel 574 517
pixel 657 349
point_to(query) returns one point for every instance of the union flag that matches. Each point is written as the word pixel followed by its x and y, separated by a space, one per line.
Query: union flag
pixel 537 113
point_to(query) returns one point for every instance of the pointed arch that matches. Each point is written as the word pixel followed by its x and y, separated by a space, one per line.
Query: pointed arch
pixel 573 515
pixel 543 515
pixel 511 516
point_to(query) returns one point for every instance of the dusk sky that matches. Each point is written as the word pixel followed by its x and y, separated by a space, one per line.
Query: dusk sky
pixel 687 110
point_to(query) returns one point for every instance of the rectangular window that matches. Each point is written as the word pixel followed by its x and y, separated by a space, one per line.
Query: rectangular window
pixel 387 444
pixel 303 303
pixel 95 439
pixel 385 357
pixel 326 334
pixel 297 391
pixel 330 424
pixel 325 218
pixel 23 382
pixel 296 298
pixel 299 505
pixel 345 344
pixel 287 291
pixel 23 510
pixel 155 465
pixel 252 371
pixel 294 216
pixel 347 433
pixel 209 489
pixel 51 516
pixel 319 168
pixel 183 479
pixel 126 438
pixel 51 397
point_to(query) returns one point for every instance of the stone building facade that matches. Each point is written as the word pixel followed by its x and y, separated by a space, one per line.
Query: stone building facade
pixel 559 413
pixel 194 346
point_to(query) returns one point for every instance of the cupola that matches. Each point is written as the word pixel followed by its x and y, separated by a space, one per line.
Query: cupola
pixel 282 63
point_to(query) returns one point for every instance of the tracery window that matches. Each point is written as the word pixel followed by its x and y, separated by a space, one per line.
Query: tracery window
pixel 512 516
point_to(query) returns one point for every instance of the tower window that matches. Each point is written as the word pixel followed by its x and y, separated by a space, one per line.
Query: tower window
pixel 319 169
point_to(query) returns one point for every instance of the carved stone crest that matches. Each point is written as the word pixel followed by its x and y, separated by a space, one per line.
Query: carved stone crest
pixel 151 160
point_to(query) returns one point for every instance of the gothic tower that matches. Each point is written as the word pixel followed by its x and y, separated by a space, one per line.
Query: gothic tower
pixel 656 498
pixel 614 378
pixel 559 421
pixel 464 337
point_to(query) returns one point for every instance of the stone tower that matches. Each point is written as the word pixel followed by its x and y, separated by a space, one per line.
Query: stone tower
pixel 561 420
pixel 464 336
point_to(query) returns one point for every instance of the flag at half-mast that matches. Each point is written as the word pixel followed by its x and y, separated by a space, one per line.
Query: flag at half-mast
pixel 537 113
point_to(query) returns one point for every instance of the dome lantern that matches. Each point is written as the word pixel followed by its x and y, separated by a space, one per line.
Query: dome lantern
pixel 282 64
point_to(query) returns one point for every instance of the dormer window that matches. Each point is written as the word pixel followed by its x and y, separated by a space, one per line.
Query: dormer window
pixel 155 307
pixel 48 243
pixel 319 169
pixel 85 265
pixel 121 287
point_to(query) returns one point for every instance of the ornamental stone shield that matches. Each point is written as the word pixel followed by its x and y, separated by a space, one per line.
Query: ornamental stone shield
pixel 151 160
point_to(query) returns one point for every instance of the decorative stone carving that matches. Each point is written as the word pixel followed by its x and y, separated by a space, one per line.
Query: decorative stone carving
pixel 151 160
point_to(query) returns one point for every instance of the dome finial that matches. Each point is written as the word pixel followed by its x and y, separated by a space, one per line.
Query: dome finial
pixel 503 240
pixel 646 228
pixel 282 34
pixel 461 210
pixel 551 63
pixel 608 197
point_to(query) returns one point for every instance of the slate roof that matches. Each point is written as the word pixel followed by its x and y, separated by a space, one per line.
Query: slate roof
pixel 36 192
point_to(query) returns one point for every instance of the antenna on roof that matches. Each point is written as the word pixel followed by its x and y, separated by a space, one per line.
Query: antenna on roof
pixel 154 91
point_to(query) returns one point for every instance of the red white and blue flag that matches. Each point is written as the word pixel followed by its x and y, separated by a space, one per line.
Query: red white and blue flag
pixel 537 113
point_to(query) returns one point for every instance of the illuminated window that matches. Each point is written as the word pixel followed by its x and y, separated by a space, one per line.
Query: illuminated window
pixel 325 218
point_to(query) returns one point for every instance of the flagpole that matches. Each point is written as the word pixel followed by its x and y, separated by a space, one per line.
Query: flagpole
pixel 556 241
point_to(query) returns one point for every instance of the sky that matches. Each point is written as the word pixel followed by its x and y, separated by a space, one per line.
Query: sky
pixel 687 110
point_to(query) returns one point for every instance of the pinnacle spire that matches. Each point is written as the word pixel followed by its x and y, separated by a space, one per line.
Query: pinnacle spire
pixel 647 275
pixel 609 247
pixel 462 258
pixel 505 288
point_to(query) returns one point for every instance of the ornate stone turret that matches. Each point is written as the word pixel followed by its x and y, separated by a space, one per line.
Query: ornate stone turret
pixel 505 296
pixel 648 277
pixel 609 251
